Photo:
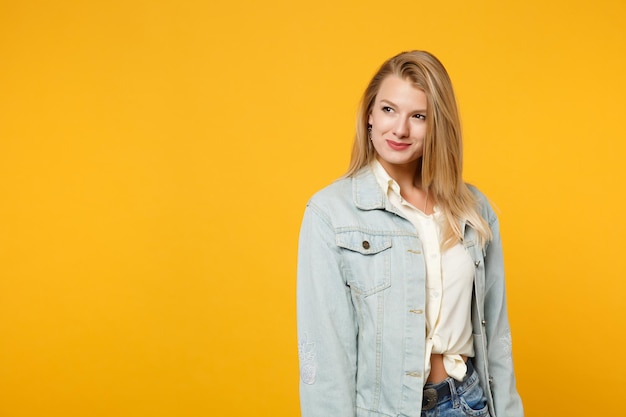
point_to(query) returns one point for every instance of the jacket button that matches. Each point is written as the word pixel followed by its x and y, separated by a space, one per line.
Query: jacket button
pixel 484 322
pixel 366 244
pixel 477 263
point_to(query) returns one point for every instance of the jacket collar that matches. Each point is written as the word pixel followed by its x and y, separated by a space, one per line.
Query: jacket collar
pixel 368 195
pixel 366 191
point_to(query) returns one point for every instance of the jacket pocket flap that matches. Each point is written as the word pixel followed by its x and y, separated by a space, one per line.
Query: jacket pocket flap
pixel 363 242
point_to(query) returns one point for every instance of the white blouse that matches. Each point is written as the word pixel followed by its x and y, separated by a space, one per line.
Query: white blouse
pixel 449 280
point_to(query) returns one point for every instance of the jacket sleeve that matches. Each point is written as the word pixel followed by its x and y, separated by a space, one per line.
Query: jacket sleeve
pixel 327 330
pixel 507 401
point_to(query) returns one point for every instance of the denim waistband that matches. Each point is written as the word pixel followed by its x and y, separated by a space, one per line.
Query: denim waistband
pixel 435 394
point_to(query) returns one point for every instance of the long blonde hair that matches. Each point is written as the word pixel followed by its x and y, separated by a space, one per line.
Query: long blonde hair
pixel 442 161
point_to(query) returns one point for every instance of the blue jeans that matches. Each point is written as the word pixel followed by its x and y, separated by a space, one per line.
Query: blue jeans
pixel 466 399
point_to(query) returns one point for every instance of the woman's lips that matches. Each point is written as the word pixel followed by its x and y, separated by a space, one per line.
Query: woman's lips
pixel 396 146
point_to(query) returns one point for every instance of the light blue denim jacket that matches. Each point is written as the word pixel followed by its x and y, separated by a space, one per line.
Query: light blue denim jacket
pixel 361 302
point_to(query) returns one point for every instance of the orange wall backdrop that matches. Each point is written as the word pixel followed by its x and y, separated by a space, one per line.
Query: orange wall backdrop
pixel 156 157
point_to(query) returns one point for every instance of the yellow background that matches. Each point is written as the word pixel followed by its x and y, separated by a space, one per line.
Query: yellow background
pixel 156 157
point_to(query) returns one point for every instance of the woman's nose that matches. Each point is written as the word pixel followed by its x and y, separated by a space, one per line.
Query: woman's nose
pixel 401 129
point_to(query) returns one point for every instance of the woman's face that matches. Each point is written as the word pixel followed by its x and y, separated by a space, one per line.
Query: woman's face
pixel 398 120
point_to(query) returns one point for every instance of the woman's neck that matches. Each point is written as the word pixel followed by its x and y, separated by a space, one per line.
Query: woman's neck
pixel 408 176
pixel 409 179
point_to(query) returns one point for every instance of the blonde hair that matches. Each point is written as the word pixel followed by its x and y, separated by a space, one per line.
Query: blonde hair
pixel 442 161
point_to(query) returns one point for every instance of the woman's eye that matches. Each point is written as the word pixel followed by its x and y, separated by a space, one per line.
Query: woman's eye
pixel 387 109
pixel 420 116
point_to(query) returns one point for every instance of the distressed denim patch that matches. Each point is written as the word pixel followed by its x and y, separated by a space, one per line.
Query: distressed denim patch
pixel 306 353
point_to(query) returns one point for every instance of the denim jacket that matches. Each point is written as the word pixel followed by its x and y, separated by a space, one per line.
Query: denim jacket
pixel 361 302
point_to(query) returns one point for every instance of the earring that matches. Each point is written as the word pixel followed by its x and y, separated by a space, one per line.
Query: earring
pixel 369 132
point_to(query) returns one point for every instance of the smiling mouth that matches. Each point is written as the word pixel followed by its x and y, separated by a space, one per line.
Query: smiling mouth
pixel 397 146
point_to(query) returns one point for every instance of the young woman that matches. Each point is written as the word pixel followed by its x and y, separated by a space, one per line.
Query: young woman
pixel 401 297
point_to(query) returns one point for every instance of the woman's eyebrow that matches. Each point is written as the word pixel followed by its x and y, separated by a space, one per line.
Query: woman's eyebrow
pixel 392 104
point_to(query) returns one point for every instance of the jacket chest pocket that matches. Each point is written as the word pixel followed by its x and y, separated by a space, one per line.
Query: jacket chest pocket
pixel 366 261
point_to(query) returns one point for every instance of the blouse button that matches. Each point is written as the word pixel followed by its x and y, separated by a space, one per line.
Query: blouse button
pixel 366 244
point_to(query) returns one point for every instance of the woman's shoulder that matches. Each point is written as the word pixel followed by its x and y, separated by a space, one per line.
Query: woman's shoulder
pixel 335 192
pixel 484 205
pixel 360 189
pixel 333 204
pixel 480 196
